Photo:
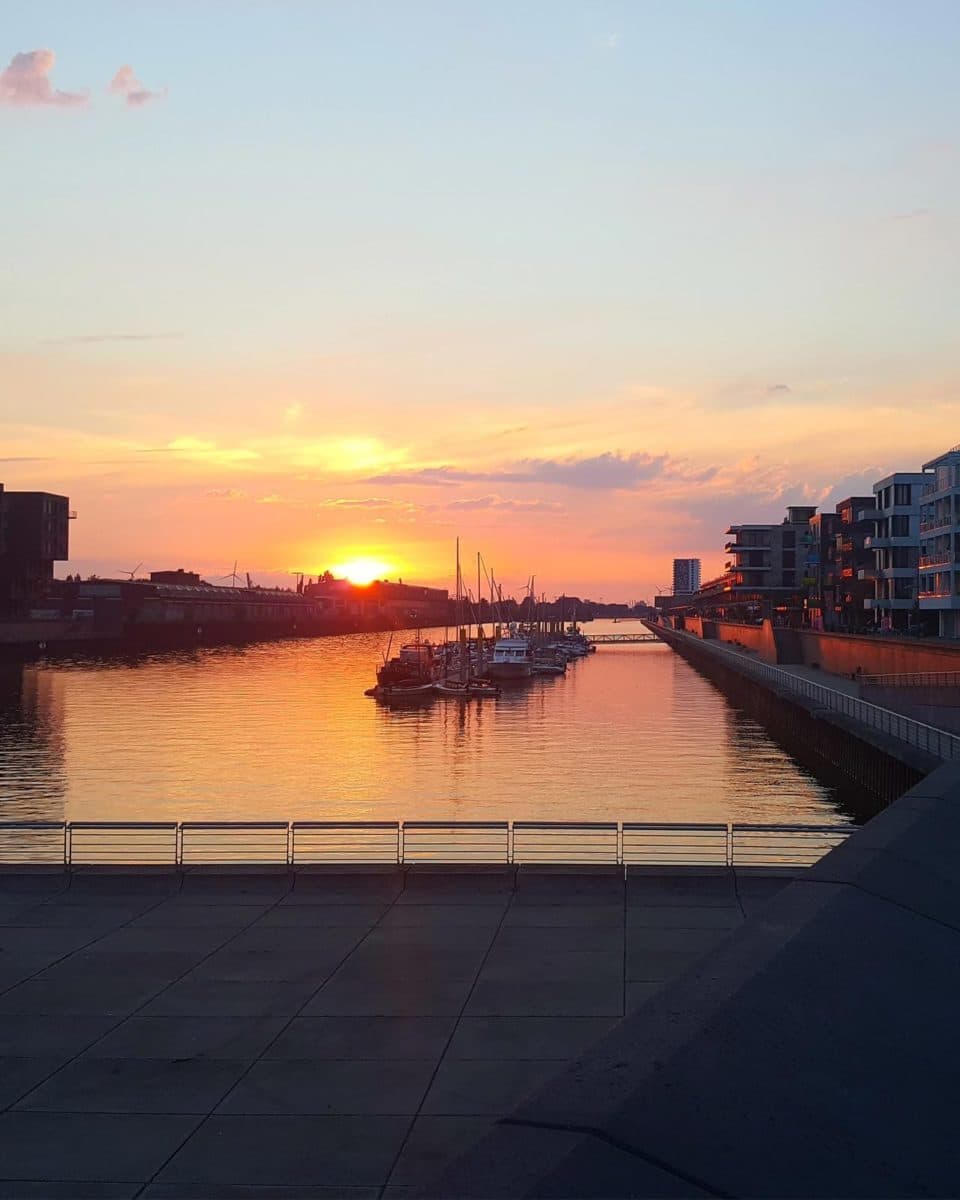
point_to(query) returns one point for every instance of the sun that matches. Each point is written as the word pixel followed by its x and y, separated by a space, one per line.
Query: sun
pixel 361 570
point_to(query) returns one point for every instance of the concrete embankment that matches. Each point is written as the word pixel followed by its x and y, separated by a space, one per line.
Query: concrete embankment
pixel 883 764
pixel 813 1053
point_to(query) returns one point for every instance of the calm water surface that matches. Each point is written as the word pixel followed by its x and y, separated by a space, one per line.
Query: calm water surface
pixel 282 730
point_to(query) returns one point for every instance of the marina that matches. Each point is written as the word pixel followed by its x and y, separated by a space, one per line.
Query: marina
pixel 282 731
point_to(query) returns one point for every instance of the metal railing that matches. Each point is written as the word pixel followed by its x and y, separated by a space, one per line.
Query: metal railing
pixel 937 742
pixel 182 845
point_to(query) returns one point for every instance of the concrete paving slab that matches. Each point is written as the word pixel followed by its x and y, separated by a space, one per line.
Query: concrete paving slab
pixel 323 916
pixel 19 1076
pixel 572 887
pixel 237 1191
pixel 560 1038
pixel 363 1038
pixel 32 884
pixel 446 916
pixel 546 998
pixel 346 996
pixel 700 891
pixel 458 888
pixel 91 996
pixel 43 942
pixel 91 887
pixel 599 1171
pixel 688 941
pixel 440 938
pixel 521 963
pixel 334 888
pixel 130 1085
pixel 148 939
pixel 540 916
pixel 684 917
pixel 325 1087
pixel 557 939
pixel 188 1038
pixel 280 1151
pixel 433 1143
pixel 204 997
pixel 639 992
pixel 485 1087
pixel 32 1189
pixel 93 918
pixel 43 1036
pixel 94 966
pixel 283 965
pixel 54 1147
pixel 185 912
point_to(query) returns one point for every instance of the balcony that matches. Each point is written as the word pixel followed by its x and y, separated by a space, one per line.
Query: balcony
pixel 743 548
pixel 929 524
pixel 939 558
pixel 888 543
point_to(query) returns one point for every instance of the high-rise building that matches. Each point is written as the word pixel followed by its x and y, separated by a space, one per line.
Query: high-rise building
pixel 686 576
pixel 939 565
pixel 896 547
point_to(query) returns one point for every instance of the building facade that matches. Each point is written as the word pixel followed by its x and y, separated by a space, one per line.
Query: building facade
pixel 34 534
pixel 939 561
pixel 767 567
pixel 686 576
pixel 895 544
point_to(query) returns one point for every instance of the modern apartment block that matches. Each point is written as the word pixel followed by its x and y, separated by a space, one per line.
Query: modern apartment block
pixel 939 565
pixel 686 576
pixel 768 562
pixel 896 546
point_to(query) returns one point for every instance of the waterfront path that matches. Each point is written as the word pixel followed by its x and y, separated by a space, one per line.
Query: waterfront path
pixel 321 1034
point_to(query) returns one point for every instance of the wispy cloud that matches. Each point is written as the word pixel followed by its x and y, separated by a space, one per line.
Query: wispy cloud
pixel 125 83
pixel 80 339
pixel 368 502
pixel 912 215
pixel 226 494
pixel 611 470
pixel 25 82
pixel 203 451
pixel 504 505
pixel 23 458
pixel 778 388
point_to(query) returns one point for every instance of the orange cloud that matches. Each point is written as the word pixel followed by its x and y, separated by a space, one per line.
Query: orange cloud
pixel 26 81
pixel 126 84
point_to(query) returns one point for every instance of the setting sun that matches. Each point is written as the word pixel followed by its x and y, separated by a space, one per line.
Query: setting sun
pixel 362 570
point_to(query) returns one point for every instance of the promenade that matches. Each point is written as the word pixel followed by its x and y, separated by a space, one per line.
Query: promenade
pixel 298 1034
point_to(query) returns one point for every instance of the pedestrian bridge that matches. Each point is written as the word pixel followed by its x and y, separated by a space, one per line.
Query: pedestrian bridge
pixel 620 639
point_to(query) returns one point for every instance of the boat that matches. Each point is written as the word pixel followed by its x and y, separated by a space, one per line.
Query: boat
pixel 511 659
pixel 473 689
pixel 416 663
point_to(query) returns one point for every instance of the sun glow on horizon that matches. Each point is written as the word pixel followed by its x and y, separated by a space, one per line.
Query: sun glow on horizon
pixel 362 570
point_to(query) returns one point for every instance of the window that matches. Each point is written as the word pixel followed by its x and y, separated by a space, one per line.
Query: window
pixel 789 539
pixel 901 493
pixel 789 558
pixel 899 526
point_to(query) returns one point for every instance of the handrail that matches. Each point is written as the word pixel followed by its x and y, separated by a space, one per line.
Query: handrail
pixel 175 845
pixel 928 738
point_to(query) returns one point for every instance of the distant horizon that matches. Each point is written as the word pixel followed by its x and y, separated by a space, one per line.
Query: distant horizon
pixel 304 285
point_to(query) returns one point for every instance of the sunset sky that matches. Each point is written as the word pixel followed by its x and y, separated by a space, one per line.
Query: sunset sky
pixel 291 283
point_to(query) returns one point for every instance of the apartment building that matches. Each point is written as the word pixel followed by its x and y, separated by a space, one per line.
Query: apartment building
pixel 895 544
pixel 767 565
pixel 686 576
pixel 939 558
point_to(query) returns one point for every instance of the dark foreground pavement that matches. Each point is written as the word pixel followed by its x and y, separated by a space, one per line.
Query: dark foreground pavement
pixel 330 1034
pixel 815 1052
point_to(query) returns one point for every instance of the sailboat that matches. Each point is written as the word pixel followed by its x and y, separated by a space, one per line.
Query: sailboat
pixel 468 686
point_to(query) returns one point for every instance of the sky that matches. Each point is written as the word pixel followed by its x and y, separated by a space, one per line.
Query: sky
pixel 290 284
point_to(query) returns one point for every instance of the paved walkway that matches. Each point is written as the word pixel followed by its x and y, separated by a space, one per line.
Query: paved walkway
pixel 313 1035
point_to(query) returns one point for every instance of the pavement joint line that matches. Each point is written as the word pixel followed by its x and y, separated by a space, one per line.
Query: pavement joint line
pixel 858 887
pixel 282 1030
pixel 634 1151
pixel 149 1000
pixel 456 1026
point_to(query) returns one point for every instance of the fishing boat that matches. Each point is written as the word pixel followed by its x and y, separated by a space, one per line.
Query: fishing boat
pixel 473 689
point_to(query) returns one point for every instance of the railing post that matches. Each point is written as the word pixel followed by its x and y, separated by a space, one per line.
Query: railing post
pixel 178 846
pixel 67 848
pixel 400 843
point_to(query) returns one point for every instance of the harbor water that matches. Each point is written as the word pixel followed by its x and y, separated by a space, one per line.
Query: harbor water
pixel 283 731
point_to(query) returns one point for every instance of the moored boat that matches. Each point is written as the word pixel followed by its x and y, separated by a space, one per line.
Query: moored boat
pixel 511 659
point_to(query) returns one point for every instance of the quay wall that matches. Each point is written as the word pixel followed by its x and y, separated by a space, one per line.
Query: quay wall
pixel 828 743
pixel 837 653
